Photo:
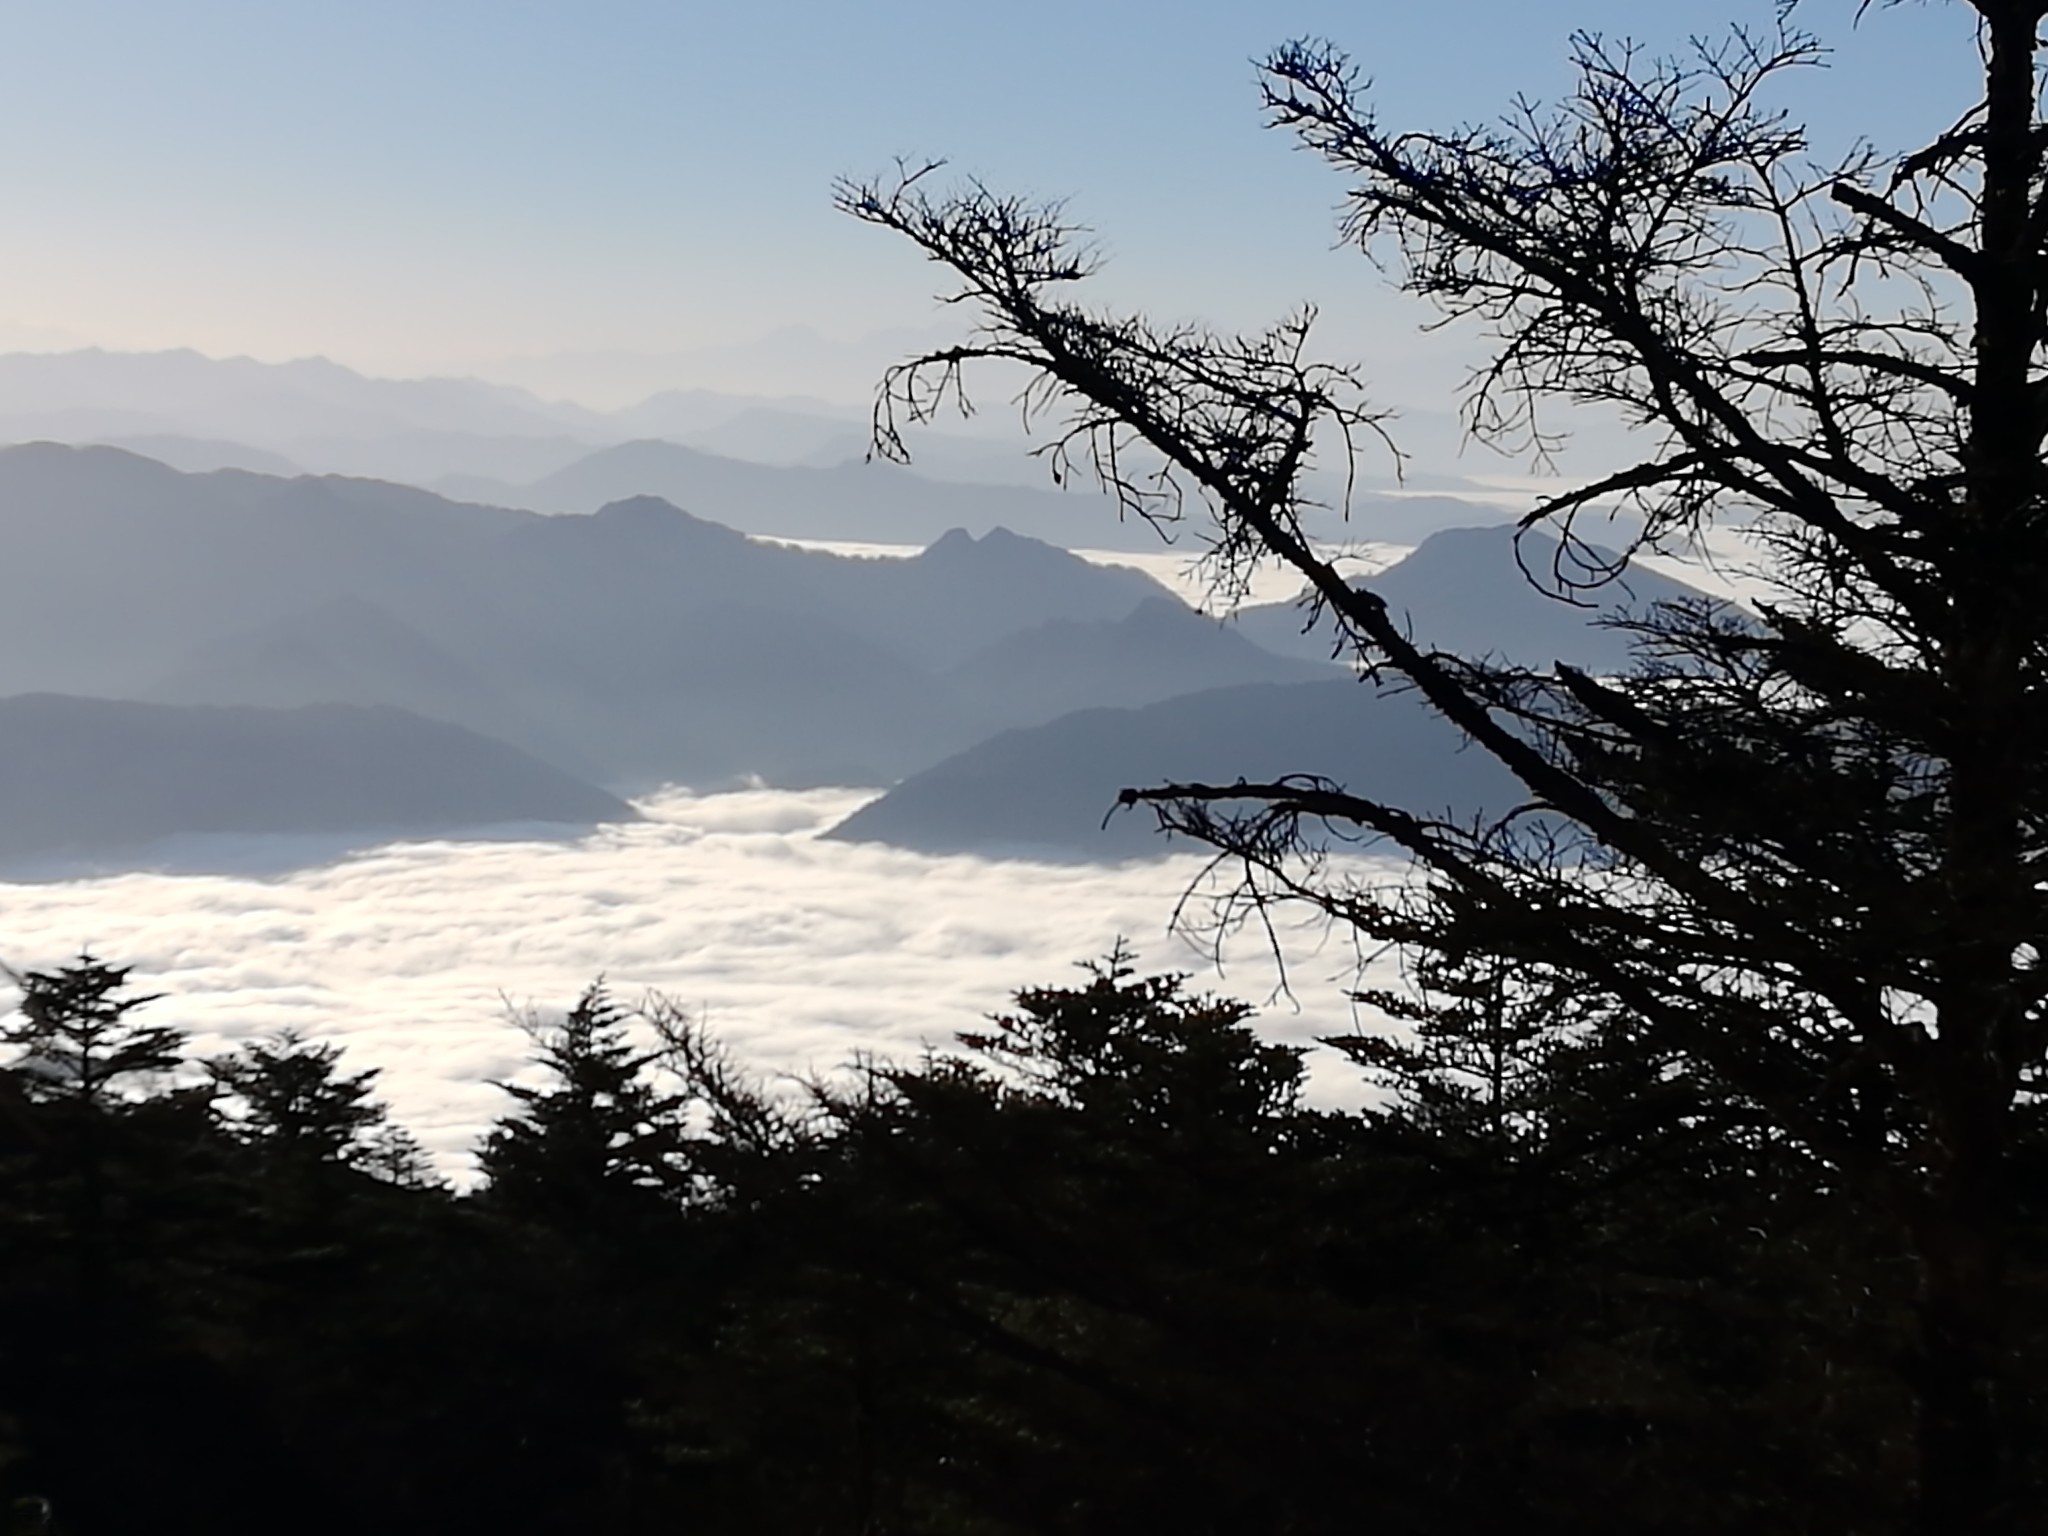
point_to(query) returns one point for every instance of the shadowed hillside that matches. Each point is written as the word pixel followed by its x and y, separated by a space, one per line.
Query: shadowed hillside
pixel 1052 789
pixel 89 775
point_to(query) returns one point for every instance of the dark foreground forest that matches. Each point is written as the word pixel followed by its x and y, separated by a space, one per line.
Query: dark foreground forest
pixel 1097 1270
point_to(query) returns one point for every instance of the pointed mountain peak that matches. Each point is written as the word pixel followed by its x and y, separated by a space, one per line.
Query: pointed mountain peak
pixel 953 542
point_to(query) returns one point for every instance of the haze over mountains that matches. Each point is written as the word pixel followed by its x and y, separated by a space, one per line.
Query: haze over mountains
pixel 472 440
pixel 609 621
pixel 639 644
pixel 880 502
pixel 320 417
pixel 1478 593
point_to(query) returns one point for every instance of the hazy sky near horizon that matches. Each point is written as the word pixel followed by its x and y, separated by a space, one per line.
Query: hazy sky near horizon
pixel 545 192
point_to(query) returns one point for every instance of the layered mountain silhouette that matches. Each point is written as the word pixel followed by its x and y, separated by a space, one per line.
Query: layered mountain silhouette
pixel 1161 649
pixel 852 500
pixel 136 563
pixel 1046 790
pixel 635 645
pixel 203 455
pixel 1051 790
pixel 642 644
pixel 97 393
pixel 839 495
pixel 478 440
pixel 1481 592
pixel 95 775
pixel 780 435
pixel 351 651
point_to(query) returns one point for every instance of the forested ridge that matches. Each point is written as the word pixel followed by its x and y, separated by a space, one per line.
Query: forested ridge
pixel 1098 1268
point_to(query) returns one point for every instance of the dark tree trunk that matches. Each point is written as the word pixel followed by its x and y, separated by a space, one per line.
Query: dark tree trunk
pixel 1963 1445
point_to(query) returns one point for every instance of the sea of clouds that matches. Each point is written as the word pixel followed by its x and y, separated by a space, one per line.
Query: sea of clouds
pixel 418 958
pixel 801 953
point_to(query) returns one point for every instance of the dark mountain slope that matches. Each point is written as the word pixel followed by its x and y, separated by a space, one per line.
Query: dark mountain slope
pixel 1047 789
pixel 93 774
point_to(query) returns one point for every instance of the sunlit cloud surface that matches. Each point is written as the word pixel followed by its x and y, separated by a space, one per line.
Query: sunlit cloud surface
pixel 801 953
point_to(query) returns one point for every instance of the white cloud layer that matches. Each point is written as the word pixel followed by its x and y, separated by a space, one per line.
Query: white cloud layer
pixel 1176 569
pixel 800 952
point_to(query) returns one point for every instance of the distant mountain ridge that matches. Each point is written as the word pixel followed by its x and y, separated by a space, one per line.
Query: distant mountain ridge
pixel 882 502
pixel 349 651
pixel 239 398
pixel 1488 592
pixel 636 645
pixel 877 502
pixel 498 443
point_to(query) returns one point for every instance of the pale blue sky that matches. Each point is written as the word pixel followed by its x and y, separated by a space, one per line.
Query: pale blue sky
pixel 442 185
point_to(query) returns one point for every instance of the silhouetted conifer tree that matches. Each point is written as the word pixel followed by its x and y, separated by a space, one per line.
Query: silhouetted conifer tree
pixel 591 1144
pixel 392 1153
pixel 76 1038
pixel 295 1101
pixel 1140 1050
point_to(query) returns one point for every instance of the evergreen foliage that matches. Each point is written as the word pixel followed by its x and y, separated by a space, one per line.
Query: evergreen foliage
pixel 1784 869
pixel 1098 1268
pixel 594 1144
pixel 76 1038
pixel 295 1103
